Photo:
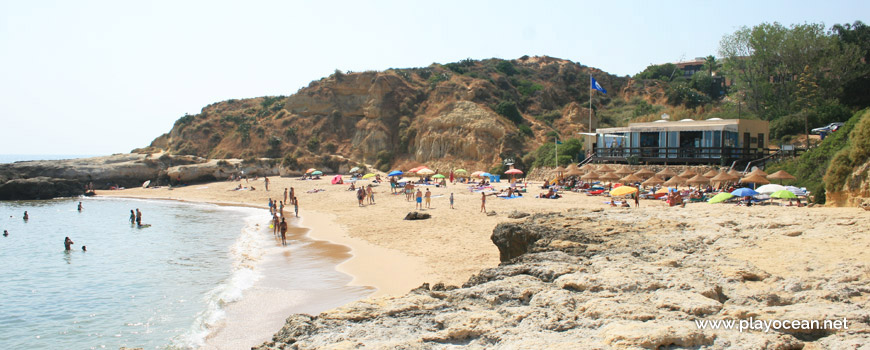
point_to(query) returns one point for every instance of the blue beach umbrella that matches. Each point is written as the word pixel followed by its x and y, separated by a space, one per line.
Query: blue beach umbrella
pixel 744 192
pixel 395 173
pixel 486 174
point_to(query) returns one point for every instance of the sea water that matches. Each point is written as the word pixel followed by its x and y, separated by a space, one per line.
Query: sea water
pixel 161 287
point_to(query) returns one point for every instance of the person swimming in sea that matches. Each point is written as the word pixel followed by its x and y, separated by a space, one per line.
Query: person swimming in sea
pixel 66 243
pixel 5 233
pixel 26 217
pixel 80 207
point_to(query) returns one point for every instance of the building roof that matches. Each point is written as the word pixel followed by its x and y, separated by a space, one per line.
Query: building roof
pixel 683 125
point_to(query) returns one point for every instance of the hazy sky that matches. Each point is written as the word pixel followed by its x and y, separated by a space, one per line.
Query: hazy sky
pixel 101 77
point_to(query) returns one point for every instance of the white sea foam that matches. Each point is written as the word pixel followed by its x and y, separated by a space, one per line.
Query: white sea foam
pixel 247 254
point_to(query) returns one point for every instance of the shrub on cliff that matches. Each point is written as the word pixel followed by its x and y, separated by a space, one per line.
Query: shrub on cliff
pixel 811 167
pixel 853 154
pixel 509 110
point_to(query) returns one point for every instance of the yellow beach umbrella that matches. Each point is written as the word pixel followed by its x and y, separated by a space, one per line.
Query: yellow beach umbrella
pixel 622 190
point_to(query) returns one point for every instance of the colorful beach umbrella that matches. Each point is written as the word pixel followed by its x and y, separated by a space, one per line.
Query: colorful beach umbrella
pixel 336 179
pixel 797 191
pixel 460 171
pixel 622 191
pixel 425 171
pixel 311 170
pixel 744 192
pixel 317 172
pixel 770 188
pixel 719 198
pixel 395 173
pixel 417 169
pixel 438 176
pixel 353 170
pixel 485 175
pixel 514 172
pixel 368 176
pixel 783 194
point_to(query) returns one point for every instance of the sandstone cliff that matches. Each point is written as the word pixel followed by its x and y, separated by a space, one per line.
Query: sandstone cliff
pixel 607 280
pixel 455 114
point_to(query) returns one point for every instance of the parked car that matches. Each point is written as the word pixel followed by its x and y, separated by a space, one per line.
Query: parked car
pixel 827 128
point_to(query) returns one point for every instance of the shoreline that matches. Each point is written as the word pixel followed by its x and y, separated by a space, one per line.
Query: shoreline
pixel 364 256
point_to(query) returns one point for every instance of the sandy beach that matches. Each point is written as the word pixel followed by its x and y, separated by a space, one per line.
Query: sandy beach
pixel 395 255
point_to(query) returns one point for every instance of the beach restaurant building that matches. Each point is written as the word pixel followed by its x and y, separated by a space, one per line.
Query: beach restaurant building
pixel 711 141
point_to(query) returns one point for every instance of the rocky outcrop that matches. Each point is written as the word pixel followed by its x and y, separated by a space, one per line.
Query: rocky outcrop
pixel 65 178
pixel 603 280
pixel 41 187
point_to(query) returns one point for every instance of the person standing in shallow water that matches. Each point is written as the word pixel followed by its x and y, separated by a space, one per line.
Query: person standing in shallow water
pixel 283 232
pixel 285 194
pixel 26 217
pixel 138 217
pixel 132 217
pixel 296 206
pixel 80 206
pixel 67 243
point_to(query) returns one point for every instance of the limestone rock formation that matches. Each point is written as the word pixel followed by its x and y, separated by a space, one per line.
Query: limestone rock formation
pixel 604 280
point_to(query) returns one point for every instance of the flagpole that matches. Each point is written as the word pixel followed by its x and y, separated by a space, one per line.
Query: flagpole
pixel 590 101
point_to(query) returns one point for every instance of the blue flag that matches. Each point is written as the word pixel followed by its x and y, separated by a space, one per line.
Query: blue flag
pixel 597 86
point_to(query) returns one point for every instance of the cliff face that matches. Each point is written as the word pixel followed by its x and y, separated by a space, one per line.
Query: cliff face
pixel 443 113
pixel 617 279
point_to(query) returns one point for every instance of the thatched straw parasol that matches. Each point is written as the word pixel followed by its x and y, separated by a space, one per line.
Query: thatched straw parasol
pixel 623 171
pixel 653 181
pixel 735 173
pixel 688 173
pixel 666 172
pixel 603 168
pixel 572 166
pixel 559 169
pixel 644 173
pixel 630 179
pixel 711 174
pixel 587 166
pixel 698 180
pixel 781 175
pixel 592 175
pixel 757 171
pixel 609 177
pixel 754 179
pixel 574 172
pixel 723 177
pixel 676 181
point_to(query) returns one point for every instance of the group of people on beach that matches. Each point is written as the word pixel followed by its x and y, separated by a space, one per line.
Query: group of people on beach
pixel 67 242
pixel 276 209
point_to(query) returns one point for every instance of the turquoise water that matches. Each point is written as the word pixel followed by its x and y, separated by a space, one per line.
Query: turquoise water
pixel 158 287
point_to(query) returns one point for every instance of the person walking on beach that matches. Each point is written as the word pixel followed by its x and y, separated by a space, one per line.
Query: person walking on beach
pixel 428 196
pixel 371 193
pixel 296 206
pixel 482 202
pixel 419 199
pixel 66 243
pixel 292 194
pixel 285 194
pixel 451 200
pixel 275 224
pixel 138 217
pixel 266 182
pixel 636 200
pixel 283 229
pixel 132 217
pixel 26 217
pixel 80 207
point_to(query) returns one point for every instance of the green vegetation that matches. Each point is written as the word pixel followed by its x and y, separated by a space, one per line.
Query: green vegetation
pixel 289 161
pixel 313 143
pixel 855 153
pixel 765 59
pixel 811 167
pixel 508 109
pixel 569 151
pixel 506 67
pixel 663 72
pixel 384 161
pixel 526 130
